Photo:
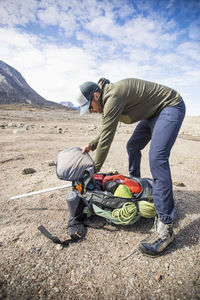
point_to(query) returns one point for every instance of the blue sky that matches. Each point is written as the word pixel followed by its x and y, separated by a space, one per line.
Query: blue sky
pixel 58 44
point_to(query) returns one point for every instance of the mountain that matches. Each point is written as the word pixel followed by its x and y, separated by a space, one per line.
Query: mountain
pixel 69 105
pixel 15 91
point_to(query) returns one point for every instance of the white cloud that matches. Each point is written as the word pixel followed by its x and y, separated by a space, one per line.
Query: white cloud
pixel 49 16
pixel 53 71
pixel 170 4
pixel 17 12
pixel 138 31
pixel 190 50
pixel 194 30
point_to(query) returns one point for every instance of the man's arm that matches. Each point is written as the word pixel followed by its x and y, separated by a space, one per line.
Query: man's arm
pixel 112 111
pixel 91 146
pixel 94 143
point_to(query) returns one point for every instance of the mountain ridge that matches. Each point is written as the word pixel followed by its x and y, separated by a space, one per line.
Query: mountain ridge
pixel 69 104
pixel 15 91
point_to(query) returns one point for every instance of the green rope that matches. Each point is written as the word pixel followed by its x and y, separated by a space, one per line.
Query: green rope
pixel 129 211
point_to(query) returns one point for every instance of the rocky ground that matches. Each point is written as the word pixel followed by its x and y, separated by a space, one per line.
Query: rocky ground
pixel 101 266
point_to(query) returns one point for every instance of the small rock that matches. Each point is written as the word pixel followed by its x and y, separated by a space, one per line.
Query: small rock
pixel 167 266
pixel 93 127
pixel 12 125
pixel 15 239
pixel 28 171
pixel 51 163
pixel 177 183
pixel 158 277
pixel 18 131
pixel 59 247
pixel 34 249
pixel 60 130
pixel 2 126
pixel 132 280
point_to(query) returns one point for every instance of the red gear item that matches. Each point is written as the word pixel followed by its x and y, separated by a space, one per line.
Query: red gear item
pixel 112 178
pixel 134 186
pixel 98 177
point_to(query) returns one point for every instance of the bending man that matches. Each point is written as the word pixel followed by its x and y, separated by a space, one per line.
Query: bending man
pixel 161 111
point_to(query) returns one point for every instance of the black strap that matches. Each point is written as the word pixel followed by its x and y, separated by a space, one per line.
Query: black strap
pixel 54 239
pixel 138 211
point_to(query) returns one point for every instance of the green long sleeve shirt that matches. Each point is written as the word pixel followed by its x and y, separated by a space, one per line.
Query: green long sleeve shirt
pixel 128 101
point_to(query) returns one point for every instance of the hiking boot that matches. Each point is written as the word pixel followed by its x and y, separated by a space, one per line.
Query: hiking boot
pixel 158 242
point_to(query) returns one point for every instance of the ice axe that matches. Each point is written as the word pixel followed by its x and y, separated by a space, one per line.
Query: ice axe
pixel 41 191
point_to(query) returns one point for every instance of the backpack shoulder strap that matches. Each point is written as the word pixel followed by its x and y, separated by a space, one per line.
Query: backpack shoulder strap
pixel 54 239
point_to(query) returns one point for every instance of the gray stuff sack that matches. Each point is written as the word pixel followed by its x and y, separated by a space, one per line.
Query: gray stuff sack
pixel 71 164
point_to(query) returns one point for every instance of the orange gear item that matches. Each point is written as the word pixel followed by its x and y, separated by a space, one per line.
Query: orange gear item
pixel 79 188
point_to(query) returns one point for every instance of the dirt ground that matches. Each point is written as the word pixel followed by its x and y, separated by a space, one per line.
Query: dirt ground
pixel 99 267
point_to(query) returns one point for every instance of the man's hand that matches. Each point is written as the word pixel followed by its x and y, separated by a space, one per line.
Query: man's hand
pixel 86 149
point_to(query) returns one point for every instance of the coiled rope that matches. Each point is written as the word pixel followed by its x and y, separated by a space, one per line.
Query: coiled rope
pixel 129 211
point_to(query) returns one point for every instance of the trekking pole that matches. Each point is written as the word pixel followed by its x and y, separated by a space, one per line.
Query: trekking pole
pixel 41 191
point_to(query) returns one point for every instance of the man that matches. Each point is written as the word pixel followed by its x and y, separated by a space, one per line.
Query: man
pixel 161 111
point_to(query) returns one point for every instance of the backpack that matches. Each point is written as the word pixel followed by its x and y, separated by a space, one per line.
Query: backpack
pixel 71 164
pixel 117 199
pixel 123 207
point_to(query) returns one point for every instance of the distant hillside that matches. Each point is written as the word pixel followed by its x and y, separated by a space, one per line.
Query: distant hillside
pixel 15 91
pixel 70 105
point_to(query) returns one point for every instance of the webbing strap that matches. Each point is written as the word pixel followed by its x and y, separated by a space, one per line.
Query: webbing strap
pixel 138 211
pixel 54 239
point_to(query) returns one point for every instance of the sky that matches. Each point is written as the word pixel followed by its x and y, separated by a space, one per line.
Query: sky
pixel 58 44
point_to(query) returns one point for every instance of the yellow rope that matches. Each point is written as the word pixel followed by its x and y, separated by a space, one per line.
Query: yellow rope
pixel 129 210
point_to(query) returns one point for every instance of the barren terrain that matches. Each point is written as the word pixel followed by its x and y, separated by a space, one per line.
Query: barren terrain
pixel 100 266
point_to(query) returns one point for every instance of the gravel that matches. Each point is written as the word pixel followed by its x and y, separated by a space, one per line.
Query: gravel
pixel 106 264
